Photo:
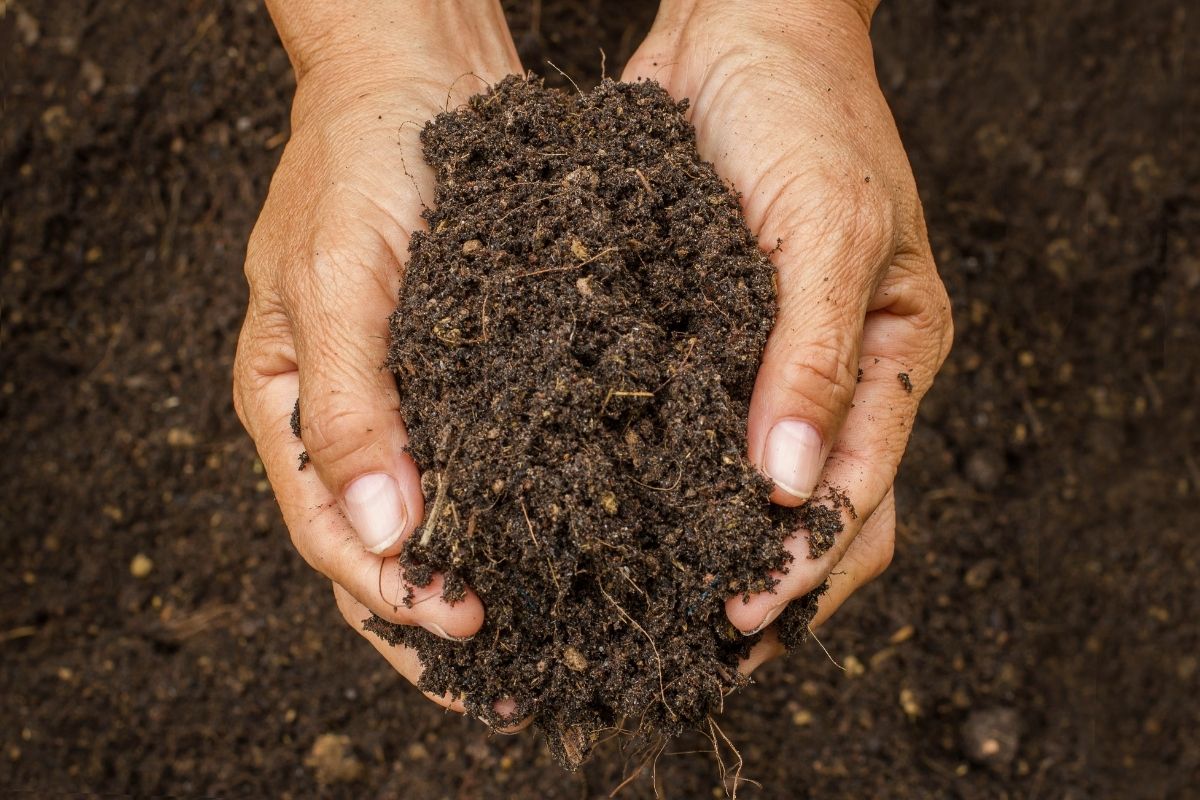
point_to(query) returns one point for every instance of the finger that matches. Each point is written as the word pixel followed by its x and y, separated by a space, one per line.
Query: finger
pixel 867 557
pixel 349 406
pixel 862 466
pixel 320 531
pixel 407 662
pixel 833 247
pixel 403 659
pixel 766 649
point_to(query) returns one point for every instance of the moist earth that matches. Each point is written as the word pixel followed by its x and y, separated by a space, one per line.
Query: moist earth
pixel 575 346
pixel 1038 620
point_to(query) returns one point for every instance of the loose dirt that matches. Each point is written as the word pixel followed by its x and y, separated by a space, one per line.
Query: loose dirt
pixel 575 346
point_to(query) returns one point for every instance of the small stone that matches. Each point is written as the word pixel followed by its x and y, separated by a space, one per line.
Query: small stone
pixel 471 246
pixel 902 635
pixel 609 502
pixel 1146 173
pixel 583 176
pixel 332 759
pixel 980 573
pixel 92 75
pixel 140 566
pixel 908 702
pixel 27 27
pixel 56 123
pixel 986 468
pixel 1061 258
pixel 991 737
pixel 853 666
pixel 574 659
pixel 802 718
pixel 584 286
pixel 180 437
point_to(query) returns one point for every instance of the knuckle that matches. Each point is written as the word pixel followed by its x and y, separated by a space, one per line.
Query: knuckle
pixel 867 216
pixel 830 209
pixel 884 550
pixel 335 433
pixel 822 373
pixel 946 321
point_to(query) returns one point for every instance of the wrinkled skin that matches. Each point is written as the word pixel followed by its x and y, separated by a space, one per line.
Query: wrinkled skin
pixel 786 106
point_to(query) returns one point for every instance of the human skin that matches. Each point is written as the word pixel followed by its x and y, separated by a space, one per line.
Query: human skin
pixel 785 105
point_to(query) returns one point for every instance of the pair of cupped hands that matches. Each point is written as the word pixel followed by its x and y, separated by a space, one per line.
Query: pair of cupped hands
pixel 785 104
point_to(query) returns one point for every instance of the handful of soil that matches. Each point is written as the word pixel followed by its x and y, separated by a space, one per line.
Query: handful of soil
pixel 575 347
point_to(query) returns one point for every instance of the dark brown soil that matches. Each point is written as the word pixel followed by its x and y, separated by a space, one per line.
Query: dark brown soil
pixel 1047 574
pixel 575 346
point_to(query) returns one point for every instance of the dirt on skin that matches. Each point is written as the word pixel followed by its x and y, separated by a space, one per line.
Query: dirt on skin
pixel 1035 636
pixel 575 346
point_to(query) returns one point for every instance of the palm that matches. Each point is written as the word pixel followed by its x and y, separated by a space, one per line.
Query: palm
pixel 798 126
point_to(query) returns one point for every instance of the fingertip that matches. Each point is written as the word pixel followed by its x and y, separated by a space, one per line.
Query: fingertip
pixel 793 456
pixel 447 701
pixel 376 509
pixel 457 620
pixel 506 707
pixel 783 498
pixel 766 649
pixel 750 616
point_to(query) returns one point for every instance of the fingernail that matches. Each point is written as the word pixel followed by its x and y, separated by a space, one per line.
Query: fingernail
pixel 438 630
pixel 376 510
pixel 771 616
pixel 793 457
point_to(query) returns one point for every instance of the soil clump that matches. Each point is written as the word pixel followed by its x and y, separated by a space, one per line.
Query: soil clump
pixel 575 346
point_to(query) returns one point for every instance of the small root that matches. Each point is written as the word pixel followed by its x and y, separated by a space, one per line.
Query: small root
pixel 662 692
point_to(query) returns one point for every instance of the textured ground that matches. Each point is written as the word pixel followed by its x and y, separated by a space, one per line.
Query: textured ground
pixel 1048 565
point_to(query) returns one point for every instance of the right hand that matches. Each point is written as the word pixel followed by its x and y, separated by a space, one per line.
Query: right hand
pixel 324 265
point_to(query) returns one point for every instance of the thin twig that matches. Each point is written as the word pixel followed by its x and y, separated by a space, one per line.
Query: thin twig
pixel 813 634
pixel 567 268
pixel 661 688
pixel 532 535
pixel 565 75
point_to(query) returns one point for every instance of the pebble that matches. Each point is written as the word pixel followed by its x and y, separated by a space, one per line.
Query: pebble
pixel 980 573
pixel 992 736
pixel 141 565
pixel 985 468
pixel 332 759
pixel 574 659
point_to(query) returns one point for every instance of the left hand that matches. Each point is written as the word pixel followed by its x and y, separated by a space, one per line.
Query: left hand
pixel 786 105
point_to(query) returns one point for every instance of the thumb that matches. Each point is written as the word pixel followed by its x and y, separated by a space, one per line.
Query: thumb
pixel 349 407
pixel 809 369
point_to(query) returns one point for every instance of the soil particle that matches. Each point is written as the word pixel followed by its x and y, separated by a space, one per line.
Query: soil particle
pixel 575 347
pixel 332 759
pixel 992 736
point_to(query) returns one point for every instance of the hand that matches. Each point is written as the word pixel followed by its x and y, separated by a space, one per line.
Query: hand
pixel 786 105
pixel 324 264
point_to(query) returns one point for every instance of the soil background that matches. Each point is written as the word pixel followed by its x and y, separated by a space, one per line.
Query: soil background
pixel 159 636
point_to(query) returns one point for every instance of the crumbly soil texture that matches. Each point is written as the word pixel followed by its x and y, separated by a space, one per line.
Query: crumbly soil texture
pixel 576 343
